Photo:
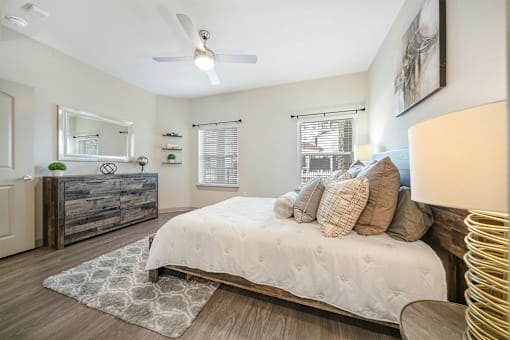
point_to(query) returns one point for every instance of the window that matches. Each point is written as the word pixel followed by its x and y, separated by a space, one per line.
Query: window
pixel 218 156
pixel 87 144
pixel 325 146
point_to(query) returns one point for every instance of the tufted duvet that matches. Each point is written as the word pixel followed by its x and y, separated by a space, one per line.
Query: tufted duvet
pixel 371 276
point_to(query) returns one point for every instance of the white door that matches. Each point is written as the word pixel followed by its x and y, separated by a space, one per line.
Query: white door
pixel 17 231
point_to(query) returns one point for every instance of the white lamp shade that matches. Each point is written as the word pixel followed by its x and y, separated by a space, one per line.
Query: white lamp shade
pixel 364 152
pixel 460 159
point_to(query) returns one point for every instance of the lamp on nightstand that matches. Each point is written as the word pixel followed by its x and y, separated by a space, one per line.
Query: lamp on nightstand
pixel 459 160
pixel 363 152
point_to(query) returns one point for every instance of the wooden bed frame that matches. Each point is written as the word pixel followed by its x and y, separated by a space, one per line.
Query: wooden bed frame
pixel 446 237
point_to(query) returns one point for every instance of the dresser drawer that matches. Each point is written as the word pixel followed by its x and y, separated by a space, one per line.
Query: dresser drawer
pixel 139 183
pixel 135 198
pixel 82 227
pixel 140 213
pixel 90 206
pixel 90 188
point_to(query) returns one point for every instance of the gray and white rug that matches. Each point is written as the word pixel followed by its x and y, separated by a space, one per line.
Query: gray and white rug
pixel 117 283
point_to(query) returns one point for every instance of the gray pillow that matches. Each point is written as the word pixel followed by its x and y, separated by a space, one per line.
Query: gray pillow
pixel 355 168
pixel 412 220
pixel 338 176
pixel 307 202
pixel 284 205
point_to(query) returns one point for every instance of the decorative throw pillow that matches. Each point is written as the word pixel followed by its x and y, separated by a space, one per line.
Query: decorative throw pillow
pixel 355 168
pixel 340 206
pixel 336 176
pixel 384 181
pixel 412 220
pixel 307 201
pixel 284 205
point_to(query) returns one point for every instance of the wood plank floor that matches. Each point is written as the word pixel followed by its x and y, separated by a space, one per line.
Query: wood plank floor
pixel 30 311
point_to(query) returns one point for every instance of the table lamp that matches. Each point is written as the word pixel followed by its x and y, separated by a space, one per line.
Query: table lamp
pixel 459 160
pixel 363 152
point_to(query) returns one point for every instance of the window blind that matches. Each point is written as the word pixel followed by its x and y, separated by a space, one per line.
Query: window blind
pixel 88 146
pixel 218 156
pixel 325 146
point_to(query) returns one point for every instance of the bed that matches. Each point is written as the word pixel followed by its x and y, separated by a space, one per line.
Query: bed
pixel 240 242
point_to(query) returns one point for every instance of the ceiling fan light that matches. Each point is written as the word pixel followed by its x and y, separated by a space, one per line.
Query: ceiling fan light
pixel 204 62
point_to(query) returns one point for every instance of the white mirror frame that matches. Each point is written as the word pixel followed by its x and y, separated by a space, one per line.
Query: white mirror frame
pixel 62 124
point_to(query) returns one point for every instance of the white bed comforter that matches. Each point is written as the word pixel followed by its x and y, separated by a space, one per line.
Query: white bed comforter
pixel 373 277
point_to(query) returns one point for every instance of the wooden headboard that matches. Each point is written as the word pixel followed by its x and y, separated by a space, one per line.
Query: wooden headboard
pixel 446 236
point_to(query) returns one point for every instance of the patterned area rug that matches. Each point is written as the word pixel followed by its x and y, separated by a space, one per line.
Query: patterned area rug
pixel 116 283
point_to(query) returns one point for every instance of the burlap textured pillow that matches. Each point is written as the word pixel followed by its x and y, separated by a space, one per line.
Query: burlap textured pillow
pixel 412 220
pixel 341 204
pixel 307 202
pixel 284 205
pixel 384 181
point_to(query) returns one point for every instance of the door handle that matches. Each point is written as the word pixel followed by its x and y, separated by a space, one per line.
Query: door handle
pixel 27 178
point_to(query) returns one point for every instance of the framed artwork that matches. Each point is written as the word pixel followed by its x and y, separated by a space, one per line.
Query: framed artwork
pixel 421 69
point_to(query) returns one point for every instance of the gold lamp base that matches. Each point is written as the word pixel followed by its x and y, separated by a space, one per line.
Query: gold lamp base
pixel 487 314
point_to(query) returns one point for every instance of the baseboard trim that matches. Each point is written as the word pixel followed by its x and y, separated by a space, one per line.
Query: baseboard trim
pixel 178 209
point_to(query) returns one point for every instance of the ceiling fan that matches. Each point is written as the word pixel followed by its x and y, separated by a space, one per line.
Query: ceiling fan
pixel 204 58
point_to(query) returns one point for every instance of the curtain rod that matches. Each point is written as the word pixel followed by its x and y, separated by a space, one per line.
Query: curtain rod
pixel 327 113
pixel 216 123
pixel 86 136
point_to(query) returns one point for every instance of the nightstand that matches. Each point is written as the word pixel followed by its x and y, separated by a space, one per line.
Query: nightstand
pixel 427 319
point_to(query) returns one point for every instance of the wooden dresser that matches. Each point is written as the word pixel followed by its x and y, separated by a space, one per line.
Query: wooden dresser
pixel 78 207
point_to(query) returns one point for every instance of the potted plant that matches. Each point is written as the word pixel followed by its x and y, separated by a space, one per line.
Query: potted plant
pixel 57 168
pixel 171 158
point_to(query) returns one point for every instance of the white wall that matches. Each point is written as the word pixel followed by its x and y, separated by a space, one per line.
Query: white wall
pixel 174 180
pixel 268 160
pixel 60 79
pixel 476 68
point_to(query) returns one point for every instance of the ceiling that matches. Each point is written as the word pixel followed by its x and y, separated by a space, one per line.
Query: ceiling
pixel 294 39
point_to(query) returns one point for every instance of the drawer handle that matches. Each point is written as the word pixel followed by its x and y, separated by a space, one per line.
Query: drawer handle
pixel 94 199
pixel 100 181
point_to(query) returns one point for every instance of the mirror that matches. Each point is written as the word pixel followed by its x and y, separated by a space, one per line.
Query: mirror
pixel 84 136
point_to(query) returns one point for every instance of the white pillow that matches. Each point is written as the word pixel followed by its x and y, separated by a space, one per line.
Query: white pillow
pixel 341 205
pixel 284 205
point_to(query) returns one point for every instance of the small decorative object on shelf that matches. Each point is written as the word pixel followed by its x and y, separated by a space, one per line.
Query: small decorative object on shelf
pixel 142 161
pixel 171 147
pixel 57 168
pixel 108 168
pixel 171 134
pixel 171 158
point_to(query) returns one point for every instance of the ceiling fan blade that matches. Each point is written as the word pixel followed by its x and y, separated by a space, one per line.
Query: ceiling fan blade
pixel 213 77
pixel 191 31
pixel 172 59
pixel 236 58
